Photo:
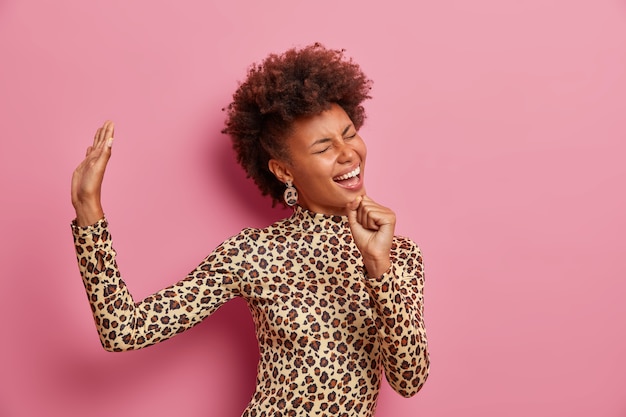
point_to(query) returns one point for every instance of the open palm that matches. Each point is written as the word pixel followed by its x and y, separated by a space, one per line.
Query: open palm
pixel 88 176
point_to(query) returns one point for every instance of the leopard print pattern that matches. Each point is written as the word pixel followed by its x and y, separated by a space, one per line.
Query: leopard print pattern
pixel 325 329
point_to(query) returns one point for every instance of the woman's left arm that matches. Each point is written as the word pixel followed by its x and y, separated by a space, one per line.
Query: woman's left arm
pixel 397 297
pixel 395 282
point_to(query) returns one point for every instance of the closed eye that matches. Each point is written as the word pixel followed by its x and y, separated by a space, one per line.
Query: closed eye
pixel 323 150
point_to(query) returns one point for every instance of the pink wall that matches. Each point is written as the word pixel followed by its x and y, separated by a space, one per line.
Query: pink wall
pixel 496 133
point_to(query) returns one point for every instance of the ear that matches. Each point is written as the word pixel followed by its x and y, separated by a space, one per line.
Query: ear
pixel 280 170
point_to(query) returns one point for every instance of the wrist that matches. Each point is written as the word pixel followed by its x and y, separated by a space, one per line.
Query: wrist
pixel 376 267
pixel 88 213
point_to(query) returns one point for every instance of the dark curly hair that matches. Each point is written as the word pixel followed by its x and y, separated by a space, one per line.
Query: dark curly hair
pixel 299 82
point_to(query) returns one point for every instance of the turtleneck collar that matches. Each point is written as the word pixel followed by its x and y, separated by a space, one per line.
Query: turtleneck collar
pixel 317 222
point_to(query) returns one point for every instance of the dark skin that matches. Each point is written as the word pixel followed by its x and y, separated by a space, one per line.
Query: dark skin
pixel 88 176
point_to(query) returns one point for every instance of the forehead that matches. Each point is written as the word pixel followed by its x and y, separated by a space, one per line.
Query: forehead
pixel 326 124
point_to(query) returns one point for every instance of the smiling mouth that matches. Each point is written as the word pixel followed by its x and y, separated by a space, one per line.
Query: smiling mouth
pixel 349 179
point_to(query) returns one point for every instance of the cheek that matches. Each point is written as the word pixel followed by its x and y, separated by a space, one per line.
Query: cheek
pixel 362 149
pixel 313 176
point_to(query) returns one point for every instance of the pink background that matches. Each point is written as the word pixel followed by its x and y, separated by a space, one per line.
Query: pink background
pixel 496 133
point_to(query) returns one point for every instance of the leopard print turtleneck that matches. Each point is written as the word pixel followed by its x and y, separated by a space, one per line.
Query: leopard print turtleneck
pixel 323 325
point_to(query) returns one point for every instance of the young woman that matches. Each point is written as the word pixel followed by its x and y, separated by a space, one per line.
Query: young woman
pixel 334 295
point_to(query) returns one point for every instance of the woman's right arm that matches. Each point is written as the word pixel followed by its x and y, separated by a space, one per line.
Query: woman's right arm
pixel 122 323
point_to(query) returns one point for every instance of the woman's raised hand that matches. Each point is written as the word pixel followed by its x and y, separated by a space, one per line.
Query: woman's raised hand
pixel 88 176
pixel 372 227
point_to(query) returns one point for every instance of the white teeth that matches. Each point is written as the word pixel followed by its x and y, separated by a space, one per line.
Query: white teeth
pixel 350 174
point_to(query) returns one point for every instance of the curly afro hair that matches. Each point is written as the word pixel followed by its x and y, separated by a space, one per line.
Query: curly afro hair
pixel 298 83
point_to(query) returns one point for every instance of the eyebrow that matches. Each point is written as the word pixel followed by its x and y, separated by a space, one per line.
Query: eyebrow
pixel 323 140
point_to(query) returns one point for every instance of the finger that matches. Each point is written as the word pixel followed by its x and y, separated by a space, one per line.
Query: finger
pixel 363 212
pixel 351 209
pixel 109 127
pixel 102 134
pixel 353 205
pixel 96 157
pixel 105 147
pixel 352 218
pixel 105 126
pixel 101 157
pixel 367 199
pixel 109 133
pixel 109 136
pixel 369 216
pixel 373 215
pixel 96 136
pixel 105 136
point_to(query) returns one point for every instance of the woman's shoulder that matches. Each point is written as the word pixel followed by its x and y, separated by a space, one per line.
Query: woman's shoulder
pixel 406 254
pixel 404 243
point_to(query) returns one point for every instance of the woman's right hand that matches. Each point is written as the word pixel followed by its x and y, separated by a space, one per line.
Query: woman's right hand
pixel 88 176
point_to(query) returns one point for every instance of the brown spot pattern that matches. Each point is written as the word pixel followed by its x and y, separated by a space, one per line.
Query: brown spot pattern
pixel 325 329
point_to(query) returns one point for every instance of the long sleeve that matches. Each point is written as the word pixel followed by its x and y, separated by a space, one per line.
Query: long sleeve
pixel 124 324
pixel 397 298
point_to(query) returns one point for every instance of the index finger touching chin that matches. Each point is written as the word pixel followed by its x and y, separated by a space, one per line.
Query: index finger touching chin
pixel 354 204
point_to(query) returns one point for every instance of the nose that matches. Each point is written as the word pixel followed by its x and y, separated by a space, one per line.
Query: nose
pixel 346 153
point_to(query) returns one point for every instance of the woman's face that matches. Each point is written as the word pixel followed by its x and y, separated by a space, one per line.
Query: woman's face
pixel 326 162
